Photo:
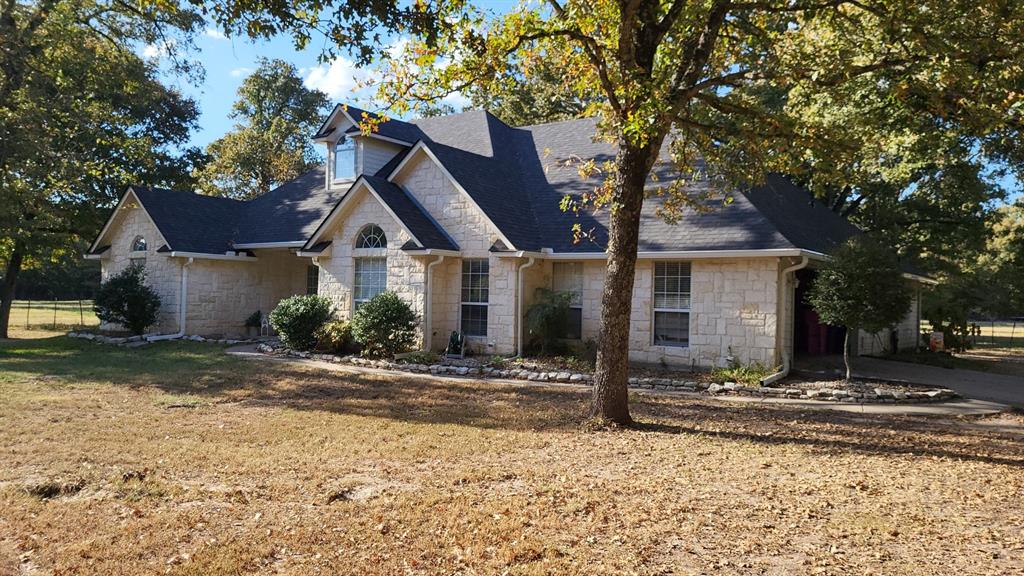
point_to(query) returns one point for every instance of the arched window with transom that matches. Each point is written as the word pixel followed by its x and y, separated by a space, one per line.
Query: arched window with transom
pixel 371 236
pixel 139 244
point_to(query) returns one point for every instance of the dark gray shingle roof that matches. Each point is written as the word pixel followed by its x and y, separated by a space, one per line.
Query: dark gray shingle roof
pixel 412 215
pixel 192 222
pixel 518 177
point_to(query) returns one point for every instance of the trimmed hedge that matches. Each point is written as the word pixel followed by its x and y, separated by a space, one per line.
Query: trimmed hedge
pixel 385 326
pixel 299 320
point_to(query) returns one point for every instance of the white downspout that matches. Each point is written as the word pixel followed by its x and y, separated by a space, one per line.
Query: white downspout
pixel 784 304
pixel 519 306
pixel 428 329
pixel 182 306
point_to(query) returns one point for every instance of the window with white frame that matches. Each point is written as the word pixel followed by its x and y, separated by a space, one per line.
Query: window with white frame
pixel 475 294
pixel 345 159
pixel 568 277
pixel 672 304
pixel 371 279
pixel 371 236
pixel 139 244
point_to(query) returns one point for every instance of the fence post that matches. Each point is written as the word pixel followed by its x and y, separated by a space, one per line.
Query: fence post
pixel 54 314
pixel 28 311
pixel 81 315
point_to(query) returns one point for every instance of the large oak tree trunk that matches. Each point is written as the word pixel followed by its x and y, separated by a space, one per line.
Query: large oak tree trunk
pixel 7 290
pixel 610 402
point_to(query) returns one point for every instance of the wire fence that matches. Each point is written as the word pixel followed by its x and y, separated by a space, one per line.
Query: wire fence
pixel 53 314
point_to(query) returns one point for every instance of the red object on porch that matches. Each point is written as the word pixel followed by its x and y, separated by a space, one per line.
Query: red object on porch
pixel 817 334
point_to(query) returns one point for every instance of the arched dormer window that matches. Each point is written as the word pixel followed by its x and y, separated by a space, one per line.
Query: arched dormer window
pixel 139 244
pixel 371 236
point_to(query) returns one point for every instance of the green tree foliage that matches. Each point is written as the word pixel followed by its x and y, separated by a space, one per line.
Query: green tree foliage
pixel 861 287
pixel 544 95
pixel 270 143
pixel 298 320
pixel 736 84
pixel 81 117
pixel 385 326
pixel 548 318
pixel 125 299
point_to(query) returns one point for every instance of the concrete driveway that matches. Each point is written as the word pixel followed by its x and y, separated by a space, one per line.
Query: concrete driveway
pixel 969 383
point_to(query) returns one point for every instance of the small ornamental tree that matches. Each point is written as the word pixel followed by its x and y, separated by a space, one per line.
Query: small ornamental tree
pixel 861 287
pixel 385 326
pixel 548 318
pixel 299 319
pixel 125 299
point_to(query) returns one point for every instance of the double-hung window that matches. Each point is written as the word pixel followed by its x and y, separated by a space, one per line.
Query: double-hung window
pixel 345 159
pixel 672 304
pixel 567 277
pixel 371 279
pixel 475 294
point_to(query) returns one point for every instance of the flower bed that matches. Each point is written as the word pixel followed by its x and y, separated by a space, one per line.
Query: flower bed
pixel 858 392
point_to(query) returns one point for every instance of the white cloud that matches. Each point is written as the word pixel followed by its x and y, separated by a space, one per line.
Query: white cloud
pixel 215 34
pixel 339 79
pixel 158 49
pixel 239 72
pixel 342 81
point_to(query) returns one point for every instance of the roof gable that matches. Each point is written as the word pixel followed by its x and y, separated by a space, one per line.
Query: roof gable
pixel 424 231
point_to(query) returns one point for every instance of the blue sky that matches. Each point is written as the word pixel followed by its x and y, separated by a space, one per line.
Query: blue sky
pixel 228 61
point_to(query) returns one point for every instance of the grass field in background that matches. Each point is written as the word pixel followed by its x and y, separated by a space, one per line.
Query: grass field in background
pixel 1001 334
pixel 52 315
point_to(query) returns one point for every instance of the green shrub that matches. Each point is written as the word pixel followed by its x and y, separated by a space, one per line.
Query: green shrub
pixel 547 320
pixel 299 319
pixel 125 299
pixel 385 326
pixel 747 375
pixel 335 337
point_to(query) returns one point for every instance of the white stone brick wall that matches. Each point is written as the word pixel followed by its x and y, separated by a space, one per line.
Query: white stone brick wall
pixel 163 273
pixel 474 235
pixel 733 312
pixel 223 293
pixel 405 274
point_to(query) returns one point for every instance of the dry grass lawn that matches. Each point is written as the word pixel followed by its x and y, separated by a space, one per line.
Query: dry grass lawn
pixel 179 459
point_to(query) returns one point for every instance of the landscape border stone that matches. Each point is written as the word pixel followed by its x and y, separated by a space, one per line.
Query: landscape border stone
pixel 879 396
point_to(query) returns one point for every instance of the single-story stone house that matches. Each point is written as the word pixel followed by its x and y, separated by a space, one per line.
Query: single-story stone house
pixel 460 216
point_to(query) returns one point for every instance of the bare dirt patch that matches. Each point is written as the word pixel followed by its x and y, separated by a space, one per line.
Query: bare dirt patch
pixel 293 470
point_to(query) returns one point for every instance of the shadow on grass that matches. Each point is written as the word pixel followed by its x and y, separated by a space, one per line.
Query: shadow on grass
pixel 203 369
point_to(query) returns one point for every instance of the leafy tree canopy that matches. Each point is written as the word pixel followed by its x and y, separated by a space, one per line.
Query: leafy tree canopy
pixel 270 143
pixel 81 117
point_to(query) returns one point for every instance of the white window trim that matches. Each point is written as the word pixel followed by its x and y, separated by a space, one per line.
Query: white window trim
pixel 655 310
pixel 357 162
pixel 355 276
pixel 487 327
